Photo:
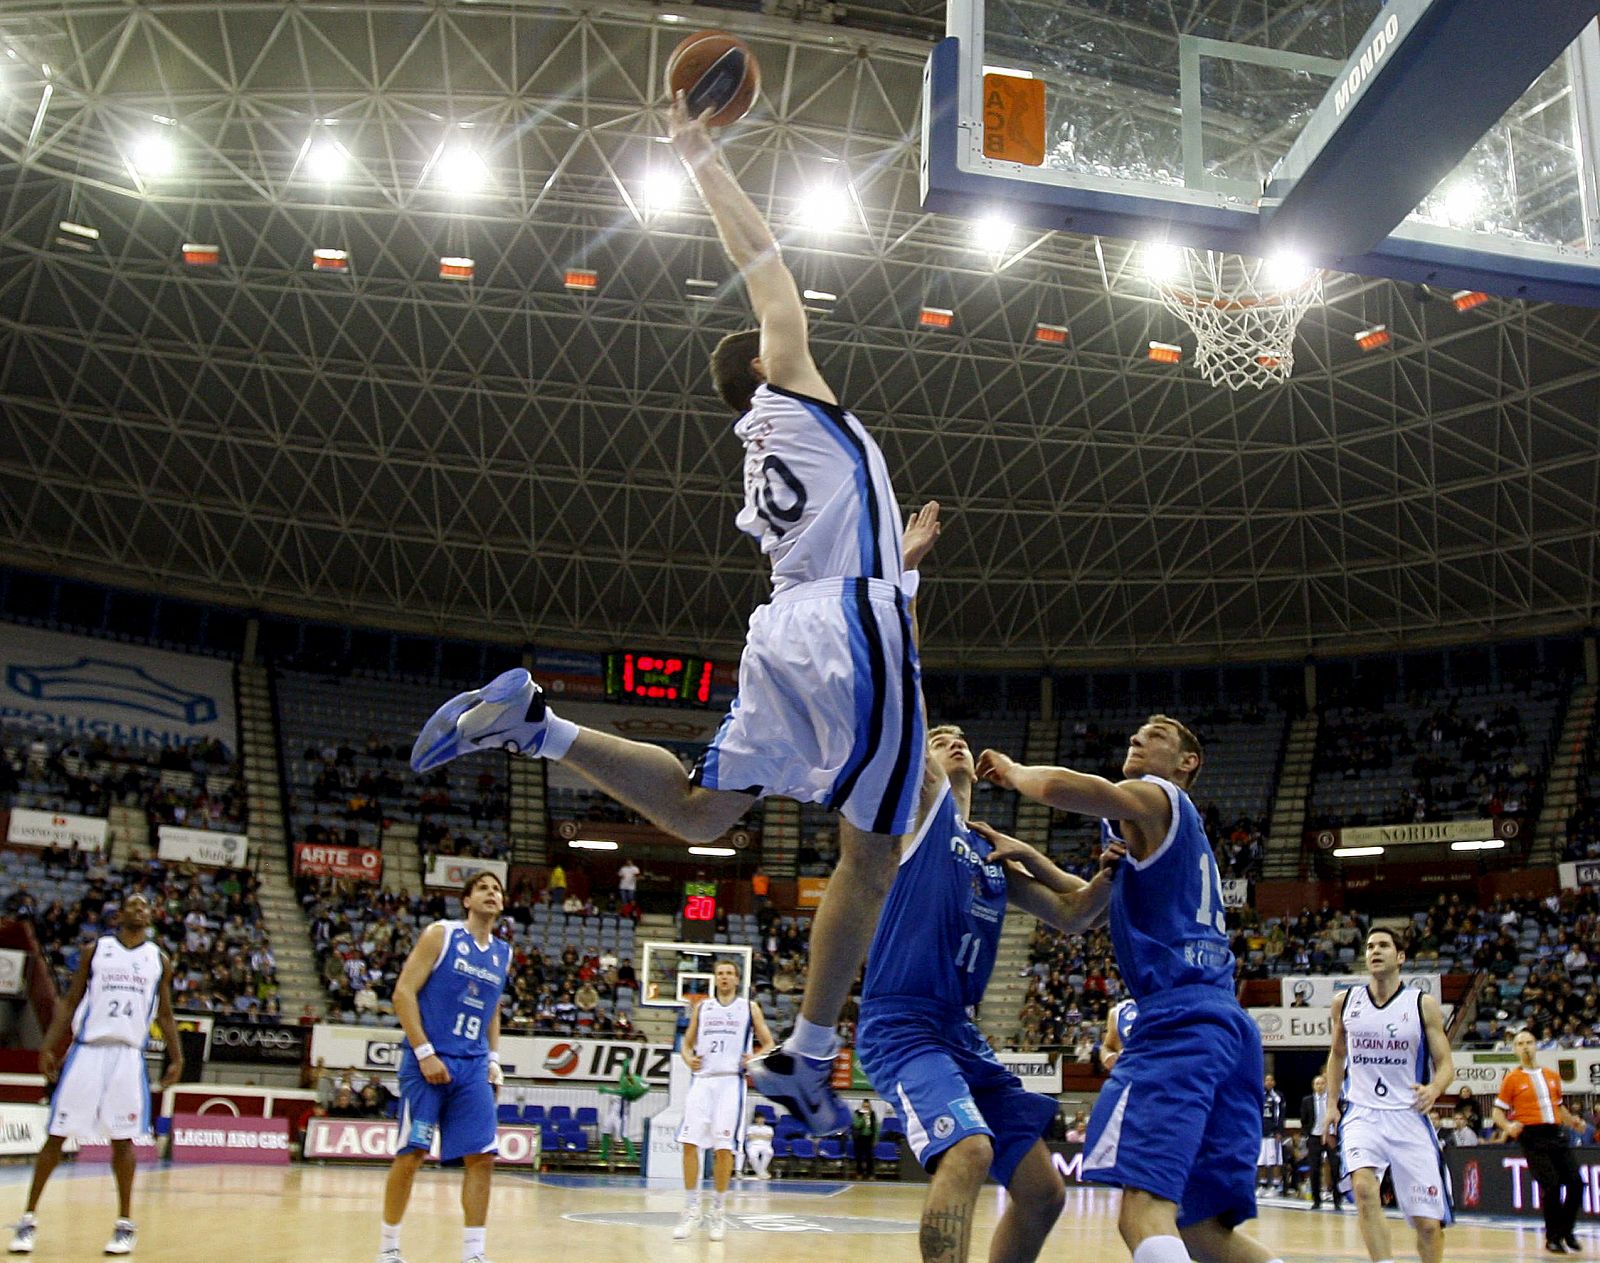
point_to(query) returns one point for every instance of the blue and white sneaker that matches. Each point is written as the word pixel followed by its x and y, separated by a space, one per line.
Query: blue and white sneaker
pixel 507 713
pixel 22 1238
pixel 122 1238
pixel 803 1085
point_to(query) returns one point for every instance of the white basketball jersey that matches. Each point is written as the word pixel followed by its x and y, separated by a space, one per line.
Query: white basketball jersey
pixel 816 491
pixel 723 1036
pixel 121 997
pixel 1385 1049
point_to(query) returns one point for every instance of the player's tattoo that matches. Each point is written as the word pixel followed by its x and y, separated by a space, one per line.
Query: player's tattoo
pixel 945 1236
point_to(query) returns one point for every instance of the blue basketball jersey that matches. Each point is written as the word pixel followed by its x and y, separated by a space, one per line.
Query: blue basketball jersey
pixel 460 997
pixel 1167 919
pixel 940 926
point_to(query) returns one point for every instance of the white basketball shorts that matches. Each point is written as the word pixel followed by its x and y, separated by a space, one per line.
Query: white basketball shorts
pixel 1401 1141
pixel 829 706
pixel 102 1091
pixel 1271 1152
pixel 713 1113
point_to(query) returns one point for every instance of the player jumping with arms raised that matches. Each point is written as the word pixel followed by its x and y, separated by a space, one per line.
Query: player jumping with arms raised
pixel 1177 1126
pixel 829 704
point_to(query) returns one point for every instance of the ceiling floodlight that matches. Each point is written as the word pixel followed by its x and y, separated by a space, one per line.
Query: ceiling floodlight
pixel 1165 353
pixel 1373 338
pixel 1356 852
pixel 455 267
pixel 581 280
pixel 1162 262
pixel 1462 201
pixel 824 208
pixel 154 155
pixel 712 850
pixel 1467 299
pixel 327 160
pixel 1287 271
pixel 1486 844
pixel 461 169
pixel 587 844
pixel 660 190
pixel 992 234
pixel 936 318
pixel 200 254
pixel 328 260
pixel 1051 335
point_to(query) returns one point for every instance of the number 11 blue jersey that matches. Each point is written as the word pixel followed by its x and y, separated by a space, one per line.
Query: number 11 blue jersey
pixel 460 997
pixel 1167 919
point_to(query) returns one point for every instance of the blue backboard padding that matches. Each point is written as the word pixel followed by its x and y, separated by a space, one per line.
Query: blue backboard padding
pixel 1430 78
pixel 1119 209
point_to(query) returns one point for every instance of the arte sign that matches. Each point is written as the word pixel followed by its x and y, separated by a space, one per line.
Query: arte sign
pixel 354 863
pixel 556 1057
pixel 1318 991
pixel 79 688
pixel 218 1138
pixel 209 848
pixel 47 828
pixel 256 1042
pixel 378 1140
pixel 453 870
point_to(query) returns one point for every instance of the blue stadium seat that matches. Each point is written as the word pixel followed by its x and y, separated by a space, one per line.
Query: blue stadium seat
pixel 560 1114
pixel 587 1116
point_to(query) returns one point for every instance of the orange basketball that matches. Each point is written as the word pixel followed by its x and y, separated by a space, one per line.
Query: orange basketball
pixel 715 71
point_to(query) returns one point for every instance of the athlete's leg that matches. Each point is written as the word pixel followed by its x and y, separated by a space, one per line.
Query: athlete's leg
pixel 475 1188
pixel 1430 1240
pixel 652 782
pixel 847 918
pixel 952 1197
pixel 1212 1241
pixel 1144 1217
pixel 49 1158
pixel 1369 1210
pixel 691 1170
pixel 1036 1196
pixel 397 1188
pixel 123 1164
pixel 722 1170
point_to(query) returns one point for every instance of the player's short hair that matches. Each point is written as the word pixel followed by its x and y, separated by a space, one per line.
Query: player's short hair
pixel 729 962
pixel 1188 743
pixel 475 878
pixel 731 373
pixel 1393 937
pixel 939 730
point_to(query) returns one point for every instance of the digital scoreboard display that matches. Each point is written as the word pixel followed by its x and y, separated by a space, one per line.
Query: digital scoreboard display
pixel 659 676
pixel 699 912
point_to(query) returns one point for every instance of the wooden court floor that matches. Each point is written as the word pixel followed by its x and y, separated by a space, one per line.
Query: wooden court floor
pixel 222 1214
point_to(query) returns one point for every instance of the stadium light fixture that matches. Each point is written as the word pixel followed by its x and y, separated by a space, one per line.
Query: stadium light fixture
pixel 660 191
pixel 1287 271
pixel 581 280
pixel 591 844
pixel 1165 353
pixel 992 234
pixel 823 208
pixel 154 155
pixel 1356 852
pixel 1050 335
pixel 197 254
pixel 461 169
pixel 936 318
pixel 1373 338
pixel 1461 202
pixel 1162 261
pixel 1486 844
pixel 326 160
pixel 330 261
pixel 1467 299
pixel 722 851
pixel 455 267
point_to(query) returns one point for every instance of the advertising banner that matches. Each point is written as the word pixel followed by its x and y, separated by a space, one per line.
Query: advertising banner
pixel 452 870
pixel 1235 892
pixel 256 1042
pixel 209 848
pixel 1306 1027
pixel 1581 874
pixel 216 1138
pixel 13 971
pixel 47 828
pixel 1495 1180
pixel 145 1150
pixel 79 687
pixel 1482 1071
pixel 357 863
pixel 556 1057
pixel 377 1139
pixel 22 1128
pixel 808 891
pixel 1039 1072
pixel 1419 833
pixel 1317 991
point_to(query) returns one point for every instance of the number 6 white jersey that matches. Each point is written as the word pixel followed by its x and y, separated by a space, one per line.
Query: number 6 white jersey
pixel 1386 1051
pixel 723 1036
pixel 121 996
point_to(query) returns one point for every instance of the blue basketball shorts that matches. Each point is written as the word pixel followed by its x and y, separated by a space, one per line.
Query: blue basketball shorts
pixel 1180 1117
pixel 940 1074
pixel 461 1113
pixel 829 707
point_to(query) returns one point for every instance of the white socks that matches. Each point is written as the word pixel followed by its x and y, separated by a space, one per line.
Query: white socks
pixel 811 1040
pixel 472 1243
pixel 1161 1250
pixel 717 1200
pixel 388 1237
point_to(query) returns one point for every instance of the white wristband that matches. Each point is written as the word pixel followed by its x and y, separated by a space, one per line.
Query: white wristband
pixel 910 581
pixel 423 1051
pixel 494 1055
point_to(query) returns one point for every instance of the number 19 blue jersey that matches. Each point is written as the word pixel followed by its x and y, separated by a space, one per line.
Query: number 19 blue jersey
pixel 1167 919
pixel 460 997
pixel 940 926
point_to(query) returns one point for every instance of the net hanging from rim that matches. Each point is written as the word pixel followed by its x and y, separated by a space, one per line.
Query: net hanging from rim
pixel 1244 312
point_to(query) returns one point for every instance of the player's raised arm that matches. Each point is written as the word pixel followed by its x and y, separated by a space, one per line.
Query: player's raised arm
pixel 1144 804
pixel 785 346
pixel 1037 885
pixel 406 1007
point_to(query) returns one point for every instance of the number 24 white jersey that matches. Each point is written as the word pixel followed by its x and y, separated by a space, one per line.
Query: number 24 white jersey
pixel 723 1036
pixel 121 997
pixel 1386 1049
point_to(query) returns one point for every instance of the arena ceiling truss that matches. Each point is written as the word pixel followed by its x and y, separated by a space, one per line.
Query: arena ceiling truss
pixel 510 459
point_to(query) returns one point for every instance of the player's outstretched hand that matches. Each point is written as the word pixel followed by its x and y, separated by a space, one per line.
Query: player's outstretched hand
pixel 497 1076
pixel 1002 846
pixel 995 768
pixel 692 1060
pixel 690 136
pixel 434 1070
pixel 1423 1095
pixel 921 533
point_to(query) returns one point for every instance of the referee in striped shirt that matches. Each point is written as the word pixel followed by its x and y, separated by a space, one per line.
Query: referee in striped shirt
pixel 1528 1109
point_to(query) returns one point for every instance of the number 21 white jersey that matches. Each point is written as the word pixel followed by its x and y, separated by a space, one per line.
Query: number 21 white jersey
pixel 723 1036
pixel 1385 1048
pixel 121 996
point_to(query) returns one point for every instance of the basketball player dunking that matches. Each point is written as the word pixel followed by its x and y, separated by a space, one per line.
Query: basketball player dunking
pixel 717 1047
pixel 1195 1068
pixel 830 697
pixel 102 1089
pixel 1386 1039
pixel 448 1001
pixel 966 1116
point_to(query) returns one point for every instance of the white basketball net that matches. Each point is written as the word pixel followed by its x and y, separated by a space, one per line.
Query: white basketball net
pixel 1244 312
